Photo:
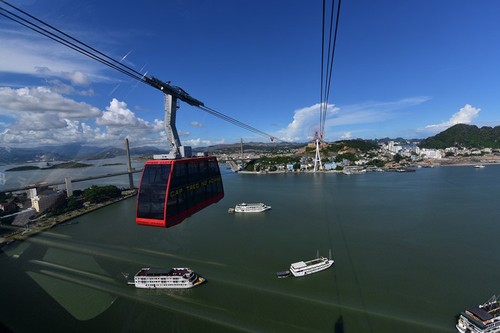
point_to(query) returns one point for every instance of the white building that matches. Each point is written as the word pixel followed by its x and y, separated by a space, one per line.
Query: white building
pixel 430 153
pixel 393 147
pixel 42 202
pixel 330 166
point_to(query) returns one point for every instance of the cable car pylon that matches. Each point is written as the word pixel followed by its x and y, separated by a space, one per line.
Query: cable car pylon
pixel 318 166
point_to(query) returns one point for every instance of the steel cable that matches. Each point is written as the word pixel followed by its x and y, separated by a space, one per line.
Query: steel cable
pixel 88 51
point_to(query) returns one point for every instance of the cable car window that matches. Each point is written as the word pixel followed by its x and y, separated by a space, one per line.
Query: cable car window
pixel 203 167
pixel 175 202
pixel 213 167
pixel 193 169
pixel 180 174
pixel 151 199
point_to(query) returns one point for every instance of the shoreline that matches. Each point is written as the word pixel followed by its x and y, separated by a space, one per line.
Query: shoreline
pixel 468 161
pixel 47 223
pixel 444 162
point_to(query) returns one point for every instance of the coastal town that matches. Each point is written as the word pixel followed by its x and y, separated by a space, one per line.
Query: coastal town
pixel 25 213
pixel 354 156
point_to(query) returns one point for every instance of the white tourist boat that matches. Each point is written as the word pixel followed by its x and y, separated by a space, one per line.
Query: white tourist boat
pixel 303 268
pixel 251 207
pixel 166 278
pixel 484 318
pixel 479 166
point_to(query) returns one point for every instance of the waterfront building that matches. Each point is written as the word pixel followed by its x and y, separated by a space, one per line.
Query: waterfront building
pixel 430 153
pixel 393 147
pixel 42 202
pixel 330 166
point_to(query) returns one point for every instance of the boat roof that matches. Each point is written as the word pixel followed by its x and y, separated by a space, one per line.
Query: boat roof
pixel 250 204
pixel 298 265
pixel 480 313
pixel 163 271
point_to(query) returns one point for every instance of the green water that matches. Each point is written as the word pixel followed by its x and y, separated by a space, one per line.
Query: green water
pixel 411 251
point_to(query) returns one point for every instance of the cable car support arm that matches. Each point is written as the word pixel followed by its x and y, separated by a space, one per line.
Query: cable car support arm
pixel 172 95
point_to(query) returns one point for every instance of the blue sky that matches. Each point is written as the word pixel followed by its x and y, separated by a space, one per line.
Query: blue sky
pixel 403 68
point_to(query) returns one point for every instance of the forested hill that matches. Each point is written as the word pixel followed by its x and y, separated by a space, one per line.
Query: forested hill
pixel 462 135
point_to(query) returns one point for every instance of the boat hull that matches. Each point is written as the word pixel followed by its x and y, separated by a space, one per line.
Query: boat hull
pixel 199 281
pixel 174 278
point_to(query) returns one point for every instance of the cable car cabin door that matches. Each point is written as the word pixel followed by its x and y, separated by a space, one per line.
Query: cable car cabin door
pixel 172 190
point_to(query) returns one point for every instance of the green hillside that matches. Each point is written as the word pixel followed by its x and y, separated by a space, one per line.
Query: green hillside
pixel 467 136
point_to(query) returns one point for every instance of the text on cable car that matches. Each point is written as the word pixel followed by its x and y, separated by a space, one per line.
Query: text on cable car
pixel 195 186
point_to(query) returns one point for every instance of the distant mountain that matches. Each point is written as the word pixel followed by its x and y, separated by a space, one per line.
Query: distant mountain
pixel 146 151
pixel 20 155
pixel 467 136
pixel 400 140
pixel 249 146
pixel 461 135
pixel 67 152
pixel 80 152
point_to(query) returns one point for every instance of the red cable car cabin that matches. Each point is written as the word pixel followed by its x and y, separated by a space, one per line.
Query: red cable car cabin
pixel 172 190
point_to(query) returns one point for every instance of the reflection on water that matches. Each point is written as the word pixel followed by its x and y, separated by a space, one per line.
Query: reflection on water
pixel 401 244
pixel 339 325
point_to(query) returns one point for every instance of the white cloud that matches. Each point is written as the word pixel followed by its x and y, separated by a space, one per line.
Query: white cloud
pixel 197 142
pixel 45 115
pixel 183 133
pixel 42 116
pixel 21 54
pixel 202 143
pixel 117 114
pixel 372 112
pixel 78 78
pixel 17 103
pixel 303 121
pixel 307 119
pixel 72 131
pixel 346 135
pixel 196 124
pixel 121 122
pixel 464 116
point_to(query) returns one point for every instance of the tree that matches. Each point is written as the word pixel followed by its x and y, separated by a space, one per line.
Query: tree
pixel 77 193
pixel 73 204
pixel 347 156
pixel 96 194
pixel 376 162
pixel 398 158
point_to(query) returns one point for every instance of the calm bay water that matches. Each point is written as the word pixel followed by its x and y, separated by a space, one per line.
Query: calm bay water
pixel 411 250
